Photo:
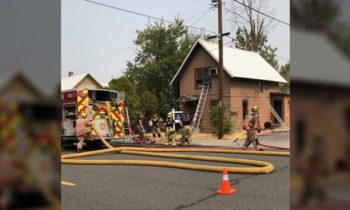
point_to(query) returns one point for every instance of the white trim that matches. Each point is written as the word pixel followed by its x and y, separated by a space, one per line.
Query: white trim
pixel 225 177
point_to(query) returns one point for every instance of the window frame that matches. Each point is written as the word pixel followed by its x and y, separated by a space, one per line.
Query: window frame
pixel 204 75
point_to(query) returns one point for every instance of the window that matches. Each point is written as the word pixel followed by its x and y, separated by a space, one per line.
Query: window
pixel 260 86
pixel 244 108
pixel 202 77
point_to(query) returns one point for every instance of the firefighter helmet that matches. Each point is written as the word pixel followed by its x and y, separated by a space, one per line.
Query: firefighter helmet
pixel 255 109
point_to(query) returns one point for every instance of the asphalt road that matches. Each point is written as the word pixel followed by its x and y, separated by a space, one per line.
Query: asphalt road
pixel 144 187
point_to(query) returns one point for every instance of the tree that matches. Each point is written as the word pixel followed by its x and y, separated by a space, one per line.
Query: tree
pixel 251 32
pixel 340 36
pixel 131 97
pixel 285 73
pixel 313 14
pixel 161 50
pixel 150 105
pixel 322 15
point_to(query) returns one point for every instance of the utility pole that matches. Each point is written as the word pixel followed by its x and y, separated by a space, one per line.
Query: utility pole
pixel 220 69
pixel 221 74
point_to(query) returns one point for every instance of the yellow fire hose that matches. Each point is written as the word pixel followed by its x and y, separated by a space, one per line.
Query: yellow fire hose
pixel 261 167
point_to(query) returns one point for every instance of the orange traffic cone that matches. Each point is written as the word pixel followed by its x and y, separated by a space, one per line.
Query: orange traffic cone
pixel 225 188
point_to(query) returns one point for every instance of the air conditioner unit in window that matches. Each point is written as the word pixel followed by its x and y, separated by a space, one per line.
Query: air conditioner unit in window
pixel 213 71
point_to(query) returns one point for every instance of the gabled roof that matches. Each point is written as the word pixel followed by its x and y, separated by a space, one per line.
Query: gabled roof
pixel 318 60
pixel 238 63
pixel 70 82
pixel 14 76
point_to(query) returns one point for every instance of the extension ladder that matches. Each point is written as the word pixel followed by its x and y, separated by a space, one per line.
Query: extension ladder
pixel 199 110
pixel 272 110
pixel 126 126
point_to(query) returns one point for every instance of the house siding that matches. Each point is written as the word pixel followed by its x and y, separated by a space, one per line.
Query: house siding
pixel 89 82
pixel 244 89
pixel 322 109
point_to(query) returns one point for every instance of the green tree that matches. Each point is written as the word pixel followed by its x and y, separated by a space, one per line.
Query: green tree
pixel 214 120
pixel 150 105
pixel 314 14
pixel 131 97
pixel 285 73
pixel 161 50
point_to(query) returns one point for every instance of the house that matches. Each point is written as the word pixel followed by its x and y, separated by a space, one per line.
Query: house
pixel 16 86
pixel 79 81
pixel 321 102
pixel 248 81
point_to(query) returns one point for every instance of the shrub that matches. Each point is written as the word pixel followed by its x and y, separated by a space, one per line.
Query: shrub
pixel 214 120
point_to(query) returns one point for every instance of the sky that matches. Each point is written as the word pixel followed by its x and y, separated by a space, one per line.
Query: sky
pixel 99 40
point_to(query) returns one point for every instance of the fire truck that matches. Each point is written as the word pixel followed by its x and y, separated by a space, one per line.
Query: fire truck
pixel 104 108
pixel 29 152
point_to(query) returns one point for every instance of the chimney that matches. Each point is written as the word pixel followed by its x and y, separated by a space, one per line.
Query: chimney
pixel 70 74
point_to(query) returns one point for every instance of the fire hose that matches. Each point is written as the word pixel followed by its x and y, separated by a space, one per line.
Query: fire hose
pixel 261 167
pixel 261 144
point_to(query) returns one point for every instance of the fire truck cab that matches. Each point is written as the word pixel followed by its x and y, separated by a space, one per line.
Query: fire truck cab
pixel 104 108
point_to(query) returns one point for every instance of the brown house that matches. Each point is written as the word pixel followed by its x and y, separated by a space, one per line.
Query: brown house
pixel 248 81
pixel 321 102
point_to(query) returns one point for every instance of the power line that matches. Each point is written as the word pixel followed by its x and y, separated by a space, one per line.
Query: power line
pixel 149 16
pixel 278 20
pixel 239 15
pixel 144 15
pixel 202 16
pixel 101 58
pixel 189 18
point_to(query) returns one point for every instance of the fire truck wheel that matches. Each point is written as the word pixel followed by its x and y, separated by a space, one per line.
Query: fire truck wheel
pixel 94 144
pixel 66 145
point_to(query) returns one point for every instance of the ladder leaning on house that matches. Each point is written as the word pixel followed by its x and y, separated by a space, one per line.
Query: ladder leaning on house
pixel 199 110
pixel 280 121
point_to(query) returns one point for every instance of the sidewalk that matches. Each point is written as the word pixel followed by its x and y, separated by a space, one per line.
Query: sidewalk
pixel 275 138
pixel 279 138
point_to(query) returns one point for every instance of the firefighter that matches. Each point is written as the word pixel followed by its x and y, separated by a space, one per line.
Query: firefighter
pixel 83 130
pixel 252 126
pixel 170 132
pixel 186 129
pixel 314 173
pixel 140 129
pixel 156 131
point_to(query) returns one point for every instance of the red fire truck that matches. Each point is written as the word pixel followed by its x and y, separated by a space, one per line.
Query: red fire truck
pixel 104 108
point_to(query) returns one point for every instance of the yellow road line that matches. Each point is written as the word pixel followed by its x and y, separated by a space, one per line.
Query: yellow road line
pixel 67 183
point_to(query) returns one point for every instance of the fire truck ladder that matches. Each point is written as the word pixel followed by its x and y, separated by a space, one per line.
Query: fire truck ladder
pixel 126 126
pixel 199 110
pixel 272 110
